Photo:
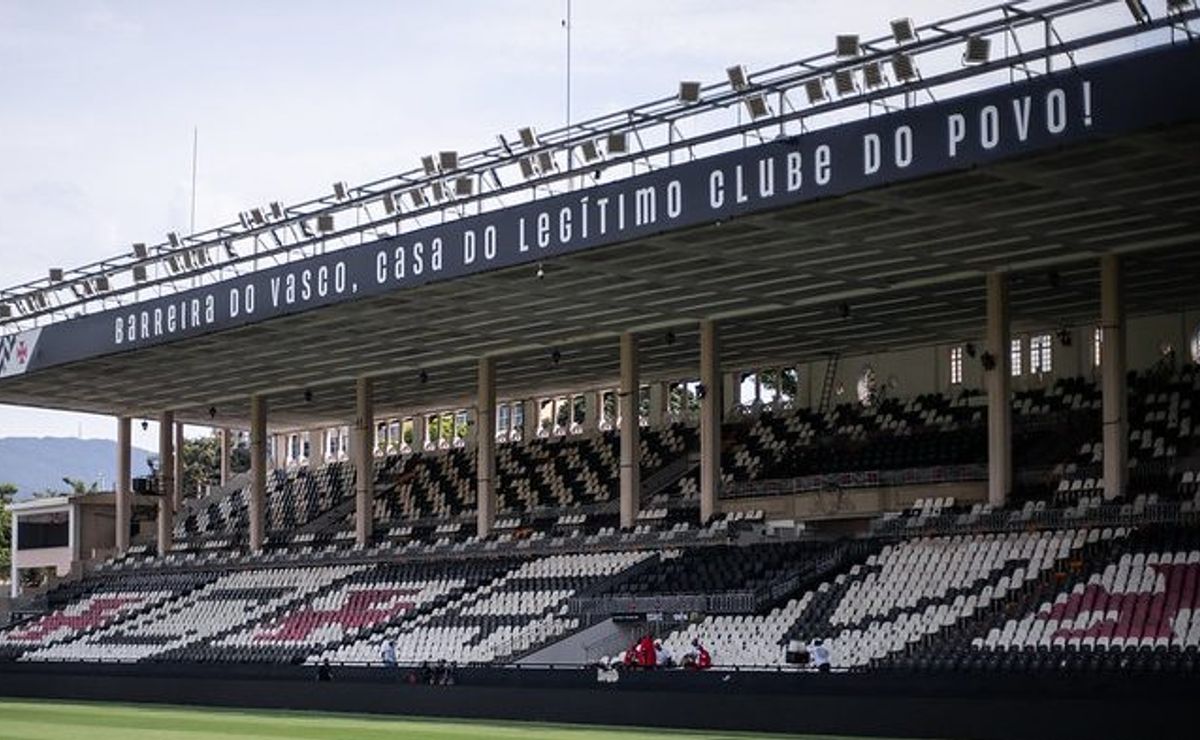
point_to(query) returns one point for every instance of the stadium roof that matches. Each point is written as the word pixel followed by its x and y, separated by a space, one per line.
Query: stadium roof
pixel 867 264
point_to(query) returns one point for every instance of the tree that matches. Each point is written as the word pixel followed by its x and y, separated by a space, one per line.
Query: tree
pixel 77 486
pixel 7 493
pixel 201 463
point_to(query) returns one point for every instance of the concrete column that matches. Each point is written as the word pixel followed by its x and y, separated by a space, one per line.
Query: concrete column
pixel 731 390
pixel 166 480
pixel 485 447
pixel 418 432
pixel 591 411
pixel 631 478
pixel 316 448
pixel 531 420
pixel 710 420
pixel 124 484
pixel 1112 376
pixel 997 382
pixel 364 459
pixel 658 405
pixel 258 472
pixel 177 493
pixel 226 456
pixel 14 575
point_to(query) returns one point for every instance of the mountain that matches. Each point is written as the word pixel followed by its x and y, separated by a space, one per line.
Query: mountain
pixel 40 463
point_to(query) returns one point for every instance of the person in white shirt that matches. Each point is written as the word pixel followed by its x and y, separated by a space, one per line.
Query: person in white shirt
pixel 388 653
pixel 818 656
pixel 663 656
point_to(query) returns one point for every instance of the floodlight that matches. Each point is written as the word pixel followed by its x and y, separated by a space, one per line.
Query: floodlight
pixel 737 77
pixel 903 67
pixel 325 223
pixel 429 165
pixel 873 75
pixel 256 215
pixel 5 311
pixel 389 203
pixel 339 190
pixel 1179 6
pixel 186 257
pixel 448 161
pixel 305 228
pixel 417 196
pixel 618 143
pixel 173 264
pixel 276 210
pixel 173 239
pixel 847 45
pixel 979 50
pixel 815 89
pixel 244 219
pixel 528 137
pixel 843 82
pixel 56 274
pixel 1138 10
pixel 439 191
pixel 545 161
pixel 689 92
pixel 464 187
pixel 139 250
pixel 903 30
pixel 590 152
pixel 757 106
pixel 102 284
pixel 232 254
pixel 201 256
pixel 527 169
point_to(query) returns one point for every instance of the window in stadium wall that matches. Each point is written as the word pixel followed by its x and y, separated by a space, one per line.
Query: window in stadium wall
pixel 1014 357
pixel 956 365
pixel 1041 348
pixel 867 389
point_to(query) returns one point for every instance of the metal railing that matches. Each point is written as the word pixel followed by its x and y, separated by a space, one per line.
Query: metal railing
pixel 1031 38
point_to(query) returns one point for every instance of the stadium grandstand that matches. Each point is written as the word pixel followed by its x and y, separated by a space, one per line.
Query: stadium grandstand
pixel 868 406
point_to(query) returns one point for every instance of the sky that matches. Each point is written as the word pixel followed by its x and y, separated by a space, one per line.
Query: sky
pixel 99 100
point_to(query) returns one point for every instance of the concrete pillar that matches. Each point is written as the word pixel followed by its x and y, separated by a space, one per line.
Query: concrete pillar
pixel 485 447
pixel 258 472
pixel 710 420
pixel 226 456
pixel 177 493
pixel 1112 376
pixel 14 575
pixel 531 420
pixel 658 405
pixel 997 382
pixel 418 433
pixel 316 448
pixel 731 391
pixel 364 459
pixel 631 479
pixel 166 480
pixel 591 411
pixel 124 484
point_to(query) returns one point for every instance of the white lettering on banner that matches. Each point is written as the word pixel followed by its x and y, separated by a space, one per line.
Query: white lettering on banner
pixel 816 161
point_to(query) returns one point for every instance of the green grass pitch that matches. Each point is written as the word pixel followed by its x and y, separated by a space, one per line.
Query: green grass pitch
pixel 44 720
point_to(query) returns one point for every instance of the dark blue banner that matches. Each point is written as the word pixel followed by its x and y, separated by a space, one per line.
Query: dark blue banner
pixel 1114 97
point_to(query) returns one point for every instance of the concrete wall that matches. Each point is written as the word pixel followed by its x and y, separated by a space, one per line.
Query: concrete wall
pixel 853 503
pixel 909 372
